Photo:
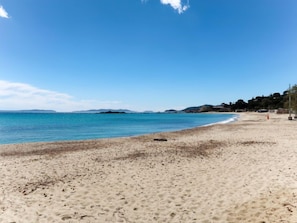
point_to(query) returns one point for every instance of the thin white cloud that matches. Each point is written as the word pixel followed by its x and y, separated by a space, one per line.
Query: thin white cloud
pixel 3 13
pixel 177 5
pixel 19 96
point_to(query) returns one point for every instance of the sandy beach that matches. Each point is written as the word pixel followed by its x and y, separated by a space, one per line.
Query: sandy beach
pixel 245 171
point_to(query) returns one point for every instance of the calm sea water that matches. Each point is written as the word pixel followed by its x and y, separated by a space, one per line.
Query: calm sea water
pixel 26 127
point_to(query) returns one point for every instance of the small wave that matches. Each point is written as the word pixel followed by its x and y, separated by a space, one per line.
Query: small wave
pixel 229 120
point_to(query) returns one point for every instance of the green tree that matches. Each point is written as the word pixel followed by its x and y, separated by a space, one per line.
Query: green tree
pixel 240 104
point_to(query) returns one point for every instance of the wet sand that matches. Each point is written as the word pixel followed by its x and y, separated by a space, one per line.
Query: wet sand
pixel 244 171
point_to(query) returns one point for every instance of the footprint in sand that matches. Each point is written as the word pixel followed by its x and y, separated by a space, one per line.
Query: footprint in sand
pixel 119 216
pixel 66 217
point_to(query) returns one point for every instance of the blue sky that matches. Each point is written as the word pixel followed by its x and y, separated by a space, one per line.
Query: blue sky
pixel 144 54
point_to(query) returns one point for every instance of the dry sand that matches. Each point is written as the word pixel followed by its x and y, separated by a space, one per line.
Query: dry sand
pixel 239 172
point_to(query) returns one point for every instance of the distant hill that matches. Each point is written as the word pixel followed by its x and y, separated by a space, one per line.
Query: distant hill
pixel 202 108
pixel 28 111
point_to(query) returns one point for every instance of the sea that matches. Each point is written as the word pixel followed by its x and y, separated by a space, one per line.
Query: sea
pixel 49 127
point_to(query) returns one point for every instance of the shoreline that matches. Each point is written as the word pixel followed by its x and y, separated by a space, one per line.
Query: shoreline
pixel 229 120
pixel 242 171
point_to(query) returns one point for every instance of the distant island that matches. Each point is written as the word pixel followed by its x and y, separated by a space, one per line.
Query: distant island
pixel 111 112
pixel 106 111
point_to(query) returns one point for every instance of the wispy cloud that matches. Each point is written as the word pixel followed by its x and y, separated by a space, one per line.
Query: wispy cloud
pixel 16 96
pixel 177 5
pixel 3 13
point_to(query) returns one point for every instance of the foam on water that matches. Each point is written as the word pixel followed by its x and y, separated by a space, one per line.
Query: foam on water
pixel 232 119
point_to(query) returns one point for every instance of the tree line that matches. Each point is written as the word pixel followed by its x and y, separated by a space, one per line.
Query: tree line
pixel 273 101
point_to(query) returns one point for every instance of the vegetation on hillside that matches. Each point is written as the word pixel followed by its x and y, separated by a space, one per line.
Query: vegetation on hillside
pixel 273 101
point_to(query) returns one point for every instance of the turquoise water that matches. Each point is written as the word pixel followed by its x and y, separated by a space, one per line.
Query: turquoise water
pixel 29 127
